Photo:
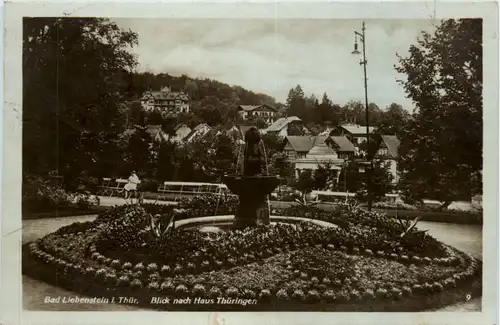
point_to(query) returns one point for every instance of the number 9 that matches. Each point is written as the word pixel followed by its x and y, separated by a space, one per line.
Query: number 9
pixel 467 297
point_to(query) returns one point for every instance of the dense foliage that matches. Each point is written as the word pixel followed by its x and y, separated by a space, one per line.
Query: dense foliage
pixel 74 73
pixel 40 195
pixel 441 146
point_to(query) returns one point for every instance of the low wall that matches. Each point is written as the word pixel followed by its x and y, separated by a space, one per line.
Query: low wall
pixel 447 217
pixel 63 212
pixel 228 219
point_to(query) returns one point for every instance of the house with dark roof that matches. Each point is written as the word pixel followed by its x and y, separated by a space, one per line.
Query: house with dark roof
pixel 321 154
pixel 355 133
pixel 342 146
pixel 297 147
pixel 388 147
pixel 167 100
pixel 309 152
pixel 265 112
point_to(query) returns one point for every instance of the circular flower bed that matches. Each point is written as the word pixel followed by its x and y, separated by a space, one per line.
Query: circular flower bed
pixel 363 264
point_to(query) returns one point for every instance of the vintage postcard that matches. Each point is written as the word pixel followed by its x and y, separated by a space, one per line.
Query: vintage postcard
pixel 250 163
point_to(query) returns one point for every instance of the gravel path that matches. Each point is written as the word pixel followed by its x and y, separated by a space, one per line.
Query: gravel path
pixel 463 237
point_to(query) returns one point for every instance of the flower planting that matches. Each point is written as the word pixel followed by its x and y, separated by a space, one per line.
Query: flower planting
pixel 138 250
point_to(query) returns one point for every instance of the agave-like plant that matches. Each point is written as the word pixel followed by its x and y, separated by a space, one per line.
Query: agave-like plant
pixel 409 227
pixel 305 202
pixel 162 224
pixel 353 205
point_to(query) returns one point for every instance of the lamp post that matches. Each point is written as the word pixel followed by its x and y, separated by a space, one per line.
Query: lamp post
pixel 363 63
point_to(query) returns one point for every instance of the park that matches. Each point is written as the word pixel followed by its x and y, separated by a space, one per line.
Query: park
pixel 102 230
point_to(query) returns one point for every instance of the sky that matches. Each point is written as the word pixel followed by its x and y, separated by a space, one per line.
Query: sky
pixel 271 56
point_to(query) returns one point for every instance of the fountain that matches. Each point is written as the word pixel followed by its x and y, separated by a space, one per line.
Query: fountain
pixel 252 187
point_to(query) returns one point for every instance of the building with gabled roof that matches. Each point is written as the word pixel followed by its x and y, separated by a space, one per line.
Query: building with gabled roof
pixel 355 133
pixel 345 149
pixel 265 112
pixel 282 126
pixel 197 132
pixel 299 146
pixel 320 154
pixel 388 150
pixel 309 152
pixel 167 100
pixel 156 132
pixel 181 131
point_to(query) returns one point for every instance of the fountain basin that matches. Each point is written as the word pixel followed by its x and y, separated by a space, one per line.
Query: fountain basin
pixel 253 208
pixel 251 185
pixel 214 224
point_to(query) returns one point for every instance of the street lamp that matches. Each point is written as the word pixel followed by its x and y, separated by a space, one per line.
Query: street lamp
pixel 363 63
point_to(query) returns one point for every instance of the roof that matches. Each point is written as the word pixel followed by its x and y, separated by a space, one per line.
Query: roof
pixel 244 129
pixel 392 144
pixel 343 144
pixel 197 131
pixel 320 148
pixel 163 95
pixel 282 122
pixel 300 143
pixel 357 129
pixel 249 108
pixel 152 130
pixel 180 125
pixel 326 132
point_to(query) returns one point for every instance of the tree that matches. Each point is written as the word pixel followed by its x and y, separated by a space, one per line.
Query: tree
pixel 191 88
pixel 295 129
pixel 380 183
pixel 75 78
pixel 296 102
pixel 309 180
pixel 324 176
pixel 212 157
pixel 441 146
pixel 305 183
pixel 350 179
pixel 327 111
pixel 393 120
pixel 140 150
pixel 354 112
pixel 210 114
pixel 137 115
pixel 166 162
pixel 353 181
pixel 154 118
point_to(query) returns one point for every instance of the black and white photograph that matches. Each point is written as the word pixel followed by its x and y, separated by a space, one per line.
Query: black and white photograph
pixel 253 165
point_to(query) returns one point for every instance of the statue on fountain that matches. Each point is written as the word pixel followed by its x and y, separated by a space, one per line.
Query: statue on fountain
pixel 253 157
pixel 252 187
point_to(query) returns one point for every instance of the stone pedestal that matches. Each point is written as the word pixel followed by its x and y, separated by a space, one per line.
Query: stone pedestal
pixel 253 208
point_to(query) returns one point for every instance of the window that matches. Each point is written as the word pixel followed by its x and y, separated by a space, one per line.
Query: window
pixel 290 154
pixel 383 151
